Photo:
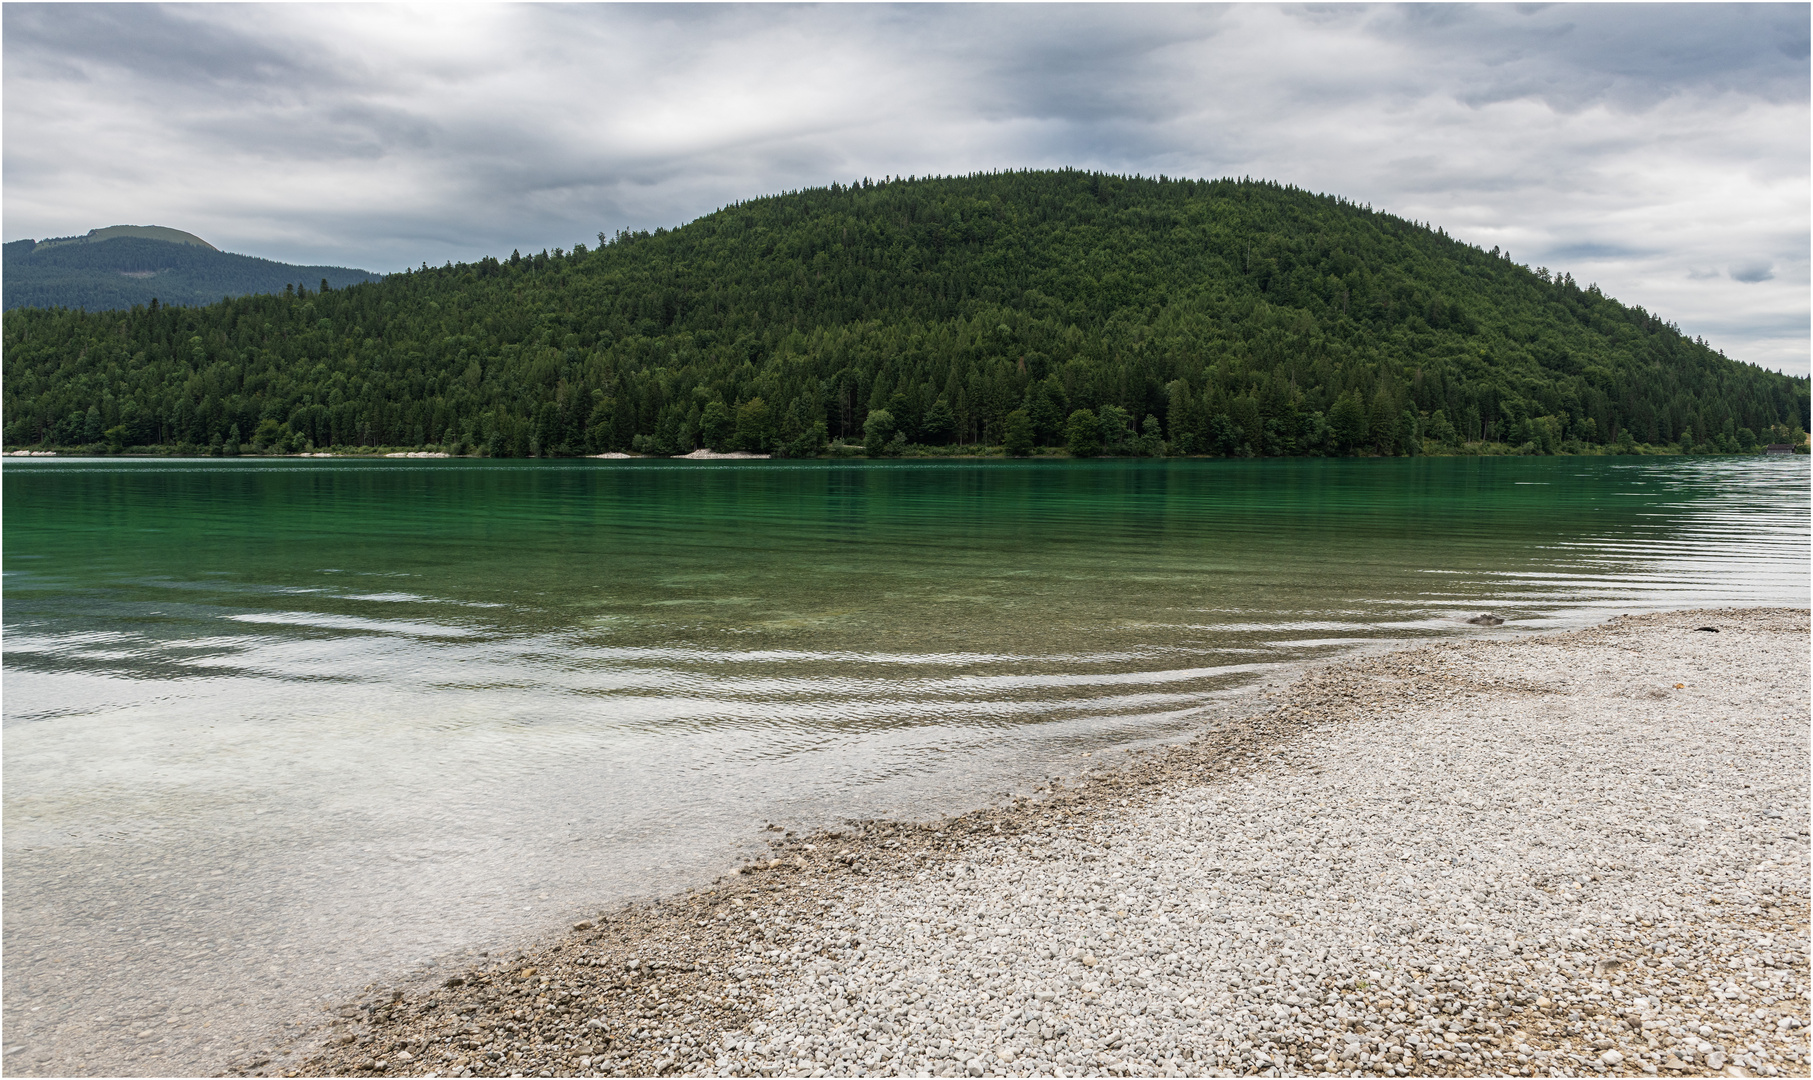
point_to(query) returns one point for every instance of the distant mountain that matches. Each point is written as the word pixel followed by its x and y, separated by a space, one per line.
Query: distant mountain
pixel 123 265
pixel 137 232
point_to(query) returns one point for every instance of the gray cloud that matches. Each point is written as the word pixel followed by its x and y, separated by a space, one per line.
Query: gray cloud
pixel 1629 55
pixel 1629 145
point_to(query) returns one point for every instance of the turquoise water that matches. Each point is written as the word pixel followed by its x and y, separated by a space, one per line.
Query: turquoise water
pixel 277 728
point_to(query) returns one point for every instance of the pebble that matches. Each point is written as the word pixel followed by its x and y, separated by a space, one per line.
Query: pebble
pixel 1560 855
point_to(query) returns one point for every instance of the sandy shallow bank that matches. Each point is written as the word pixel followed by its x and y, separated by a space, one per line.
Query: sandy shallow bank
pixel 1573 854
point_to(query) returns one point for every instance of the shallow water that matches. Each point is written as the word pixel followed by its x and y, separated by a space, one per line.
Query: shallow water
pixel 277 729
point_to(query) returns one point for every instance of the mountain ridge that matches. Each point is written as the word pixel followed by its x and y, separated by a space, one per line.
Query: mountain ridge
pixel 1177 316
pixel 138 232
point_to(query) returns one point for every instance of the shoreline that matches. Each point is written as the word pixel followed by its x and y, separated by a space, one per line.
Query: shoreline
pixel 969 945
pixel 851 451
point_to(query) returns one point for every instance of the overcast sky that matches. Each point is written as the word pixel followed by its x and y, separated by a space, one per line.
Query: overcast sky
pixel 1660 151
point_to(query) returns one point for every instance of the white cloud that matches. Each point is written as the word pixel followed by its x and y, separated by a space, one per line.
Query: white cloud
pixel 1661 152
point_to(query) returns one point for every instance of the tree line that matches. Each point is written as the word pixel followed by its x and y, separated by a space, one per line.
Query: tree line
pixel 1025 310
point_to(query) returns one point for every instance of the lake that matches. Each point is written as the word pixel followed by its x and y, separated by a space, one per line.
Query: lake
pixel 277 729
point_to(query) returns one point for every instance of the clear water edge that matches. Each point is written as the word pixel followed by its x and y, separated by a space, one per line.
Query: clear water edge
pixel 273 730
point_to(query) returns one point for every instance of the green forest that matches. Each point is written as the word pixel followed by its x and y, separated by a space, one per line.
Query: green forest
pixel 1022 312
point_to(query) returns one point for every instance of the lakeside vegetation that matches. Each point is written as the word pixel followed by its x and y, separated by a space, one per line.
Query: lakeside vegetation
pixel 1030 312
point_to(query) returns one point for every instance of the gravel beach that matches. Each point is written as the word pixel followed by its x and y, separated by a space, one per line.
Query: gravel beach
pixel 1559 855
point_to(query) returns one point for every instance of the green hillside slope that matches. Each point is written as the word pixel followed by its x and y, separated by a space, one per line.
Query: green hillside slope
pixel 1037 308
pixel 124 265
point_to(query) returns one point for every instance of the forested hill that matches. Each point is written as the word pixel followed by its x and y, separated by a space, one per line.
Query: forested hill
pixel 1129 315
pixel 121 266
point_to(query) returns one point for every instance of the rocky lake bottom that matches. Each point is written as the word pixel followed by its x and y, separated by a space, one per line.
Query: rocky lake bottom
pixel 276 731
